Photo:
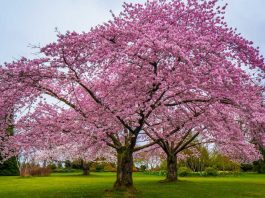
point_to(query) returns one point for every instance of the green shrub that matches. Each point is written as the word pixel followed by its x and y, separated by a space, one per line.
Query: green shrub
pixel 228 173
pixel 246 167
pixel 9 167
pixel 210 171
pixel 184 171
pixel 52 166
pixel 109 167
pixel 162 173
pixel 63 170
pixel 99 167
pixel 197 174
pixel 68 164
pixel 259 166
pixel 156 173
pixel 143 168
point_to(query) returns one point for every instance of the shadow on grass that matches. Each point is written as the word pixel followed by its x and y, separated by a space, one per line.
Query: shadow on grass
pixel 129 193
pixel 91 175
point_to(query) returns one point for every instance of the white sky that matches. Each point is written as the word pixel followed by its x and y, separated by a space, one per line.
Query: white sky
pixel 25 22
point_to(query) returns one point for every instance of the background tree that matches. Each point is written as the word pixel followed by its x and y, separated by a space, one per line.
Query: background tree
pixel 57 134
pixel 198 163
pixel 259 165
pixel 9 167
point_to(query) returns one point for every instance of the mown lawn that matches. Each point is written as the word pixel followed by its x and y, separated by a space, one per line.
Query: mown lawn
pixel 75 185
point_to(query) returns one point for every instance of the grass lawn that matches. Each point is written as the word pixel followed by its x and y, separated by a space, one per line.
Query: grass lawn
pixel 75 185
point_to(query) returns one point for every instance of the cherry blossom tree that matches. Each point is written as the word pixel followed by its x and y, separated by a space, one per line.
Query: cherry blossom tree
pixel 172 69
pixel 225 129
pixel 6 126
pixel 53 133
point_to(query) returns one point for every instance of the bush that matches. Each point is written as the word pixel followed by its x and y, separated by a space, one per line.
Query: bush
pixel 210 171
pixel 135 169
pixel 63 170
pixel 228 173
pixel 40 171
pixel 157 173
pixel 143 168
pixel 77 164
pixel 246 167
pixel 9 167
pixel 99 167
pixel 197 174
pixel 259 166
pixel 52 166
pixel 184 171
pixel 109 167
pixel 27 170
pixel 68 164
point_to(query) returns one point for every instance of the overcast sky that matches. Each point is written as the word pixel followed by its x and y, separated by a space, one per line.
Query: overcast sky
pixel 33 22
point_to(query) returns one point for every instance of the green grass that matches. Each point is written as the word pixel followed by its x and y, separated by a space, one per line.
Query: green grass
pixel 75 185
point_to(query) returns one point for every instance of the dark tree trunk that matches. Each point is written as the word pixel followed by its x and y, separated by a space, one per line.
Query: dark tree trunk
pixel 124 169
pixel 86 167
pixel 171 168
pixel 86 171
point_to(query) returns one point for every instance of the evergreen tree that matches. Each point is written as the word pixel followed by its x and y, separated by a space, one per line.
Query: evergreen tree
pixel 9 167
pixel 259 165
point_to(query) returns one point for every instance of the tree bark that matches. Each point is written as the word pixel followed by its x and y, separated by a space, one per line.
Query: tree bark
pixel 124 178
pixel 86 168
pixel 171 168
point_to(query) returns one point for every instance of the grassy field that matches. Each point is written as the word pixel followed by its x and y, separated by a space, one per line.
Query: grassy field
pixel 75 185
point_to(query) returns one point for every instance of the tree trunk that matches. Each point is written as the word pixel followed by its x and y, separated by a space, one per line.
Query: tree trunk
pixel 124 169
pixel 171 168
pixel 86 168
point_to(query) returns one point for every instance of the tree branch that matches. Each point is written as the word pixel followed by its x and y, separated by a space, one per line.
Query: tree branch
pixel 186 143
pixel 145 146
